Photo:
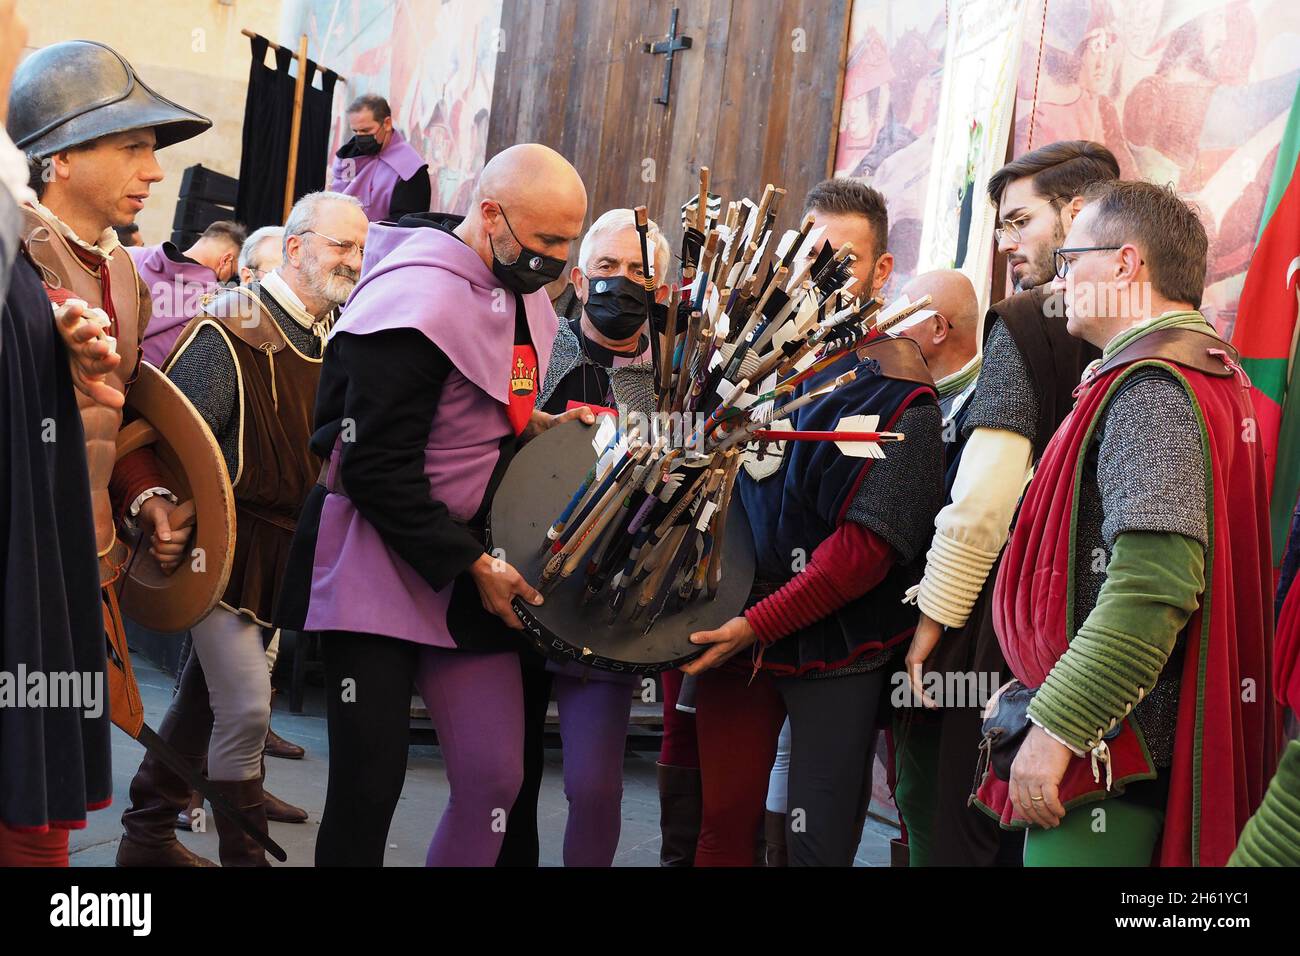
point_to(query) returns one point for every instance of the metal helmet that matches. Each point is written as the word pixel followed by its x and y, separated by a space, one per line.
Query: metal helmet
pixel 70 93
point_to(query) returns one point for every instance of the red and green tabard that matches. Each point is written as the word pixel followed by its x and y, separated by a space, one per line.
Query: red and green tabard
pixel 1226 735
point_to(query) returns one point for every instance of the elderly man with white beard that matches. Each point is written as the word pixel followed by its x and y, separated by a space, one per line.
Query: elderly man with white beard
pixel 250 363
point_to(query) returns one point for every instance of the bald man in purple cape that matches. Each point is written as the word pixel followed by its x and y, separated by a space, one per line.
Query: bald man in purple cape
pixel 428 386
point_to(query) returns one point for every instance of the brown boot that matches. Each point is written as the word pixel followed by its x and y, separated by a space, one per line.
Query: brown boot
pixel 277 746
pixel 237 848
pixel 774 836
pixel 277 810
pixel 679 814
pixel 157 794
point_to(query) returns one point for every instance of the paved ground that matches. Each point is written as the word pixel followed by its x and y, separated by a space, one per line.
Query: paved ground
pixel 302 782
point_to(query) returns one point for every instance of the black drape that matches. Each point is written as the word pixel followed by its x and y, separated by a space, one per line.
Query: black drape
pixel 314 140
pixel 54 761
pixel 268 118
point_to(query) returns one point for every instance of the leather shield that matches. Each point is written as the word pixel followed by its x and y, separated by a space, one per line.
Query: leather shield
pixel 194 469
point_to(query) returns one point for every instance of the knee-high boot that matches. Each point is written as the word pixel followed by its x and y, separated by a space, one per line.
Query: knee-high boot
pixel 157 793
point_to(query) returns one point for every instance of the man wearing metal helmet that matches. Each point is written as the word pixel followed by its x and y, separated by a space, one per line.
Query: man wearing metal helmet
pixel 89 128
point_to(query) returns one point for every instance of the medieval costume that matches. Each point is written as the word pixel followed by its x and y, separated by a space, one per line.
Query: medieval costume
pixel 594 705
pixel 851 529
pixel 1029 368
pixel 390 182
pixel 429 380
pixel 249 363
pixel 1156 609
pixel 54 759
pixel 1272 836
pixel 176 283
pixel 49 112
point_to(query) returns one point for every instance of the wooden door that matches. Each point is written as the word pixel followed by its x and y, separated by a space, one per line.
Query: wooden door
pixel 755 98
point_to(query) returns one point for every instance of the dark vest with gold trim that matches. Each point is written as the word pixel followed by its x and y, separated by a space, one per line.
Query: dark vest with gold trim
pixel 275 467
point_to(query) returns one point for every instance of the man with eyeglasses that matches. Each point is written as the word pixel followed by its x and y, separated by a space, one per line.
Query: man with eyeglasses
pixel 250 363
pixel 262 251
pixel 1030 367
pixel 1134 598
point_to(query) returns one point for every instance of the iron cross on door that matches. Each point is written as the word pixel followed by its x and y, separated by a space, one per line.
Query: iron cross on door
pixel 668 46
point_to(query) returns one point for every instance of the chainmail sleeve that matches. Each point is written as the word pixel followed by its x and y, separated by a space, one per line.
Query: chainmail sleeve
pixel 1150 466
pixel 1005 395
pixel 902 492
pixel 205 372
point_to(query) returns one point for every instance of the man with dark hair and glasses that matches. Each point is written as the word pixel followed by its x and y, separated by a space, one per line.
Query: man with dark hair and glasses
pixel 1030 366
pixel 249 362
pixel 1122 601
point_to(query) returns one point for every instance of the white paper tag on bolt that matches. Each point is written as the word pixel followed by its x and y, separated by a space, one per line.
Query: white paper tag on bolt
pixel 706 513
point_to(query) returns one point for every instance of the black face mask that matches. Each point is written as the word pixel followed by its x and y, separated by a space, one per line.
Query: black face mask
pixel 530 271
pixel 365 145
pixel 616 306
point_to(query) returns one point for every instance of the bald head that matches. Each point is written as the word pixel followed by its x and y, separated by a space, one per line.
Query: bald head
pixel 534 176
pixel 951 295
pixel 528 196
pixel 947 340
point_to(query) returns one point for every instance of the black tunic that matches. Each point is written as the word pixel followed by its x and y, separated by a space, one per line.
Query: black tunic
pixel 54 761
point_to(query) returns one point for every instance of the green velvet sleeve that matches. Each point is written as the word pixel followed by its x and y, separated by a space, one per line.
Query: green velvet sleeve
pixel 1272 835
pixel 1153 585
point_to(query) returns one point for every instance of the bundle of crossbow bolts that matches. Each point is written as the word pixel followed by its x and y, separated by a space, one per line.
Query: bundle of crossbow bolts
pixel 762 317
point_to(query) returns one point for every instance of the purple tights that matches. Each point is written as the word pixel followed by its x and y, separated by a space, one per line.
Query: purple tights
pixel 593 731
pixel 476 703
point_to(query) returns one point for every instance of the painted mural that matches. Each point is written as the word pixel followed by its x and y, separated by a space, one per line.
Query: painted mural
pixel 1193 93
pixel 434 60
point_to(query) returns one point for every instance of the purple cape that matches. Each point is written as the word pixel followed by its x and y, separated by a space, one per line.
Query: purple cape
pixel 372 179
pixel 428 280
pixel 175 289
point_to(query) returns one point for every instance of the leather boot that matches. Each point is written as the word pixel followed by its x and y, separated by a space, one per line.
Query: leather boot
pixel 774 836
pixel 157 794
pixel 679 814
pixel 280 811
pixel 277 746
pixel 237 848
pixel 277 810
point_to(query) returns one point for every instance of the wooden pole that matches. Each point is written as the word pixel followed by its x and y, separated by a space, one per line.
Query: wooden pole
pixel 253 35
pixel 295 129
pixel 837 107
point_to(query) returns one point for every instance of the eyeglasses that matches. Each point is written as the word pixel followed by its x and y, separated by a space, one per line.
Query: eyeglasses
pixel 1010 228
pixel 1063 264
pixel 345 248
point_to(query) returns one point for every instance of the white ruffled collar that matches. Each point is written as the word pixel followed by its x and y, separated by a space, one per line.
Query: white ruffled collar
pixel 103 247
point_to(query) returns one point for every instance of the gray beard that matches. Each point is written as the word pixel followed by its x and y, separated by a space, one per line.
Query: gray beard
pixel 329 286
pixel 337 288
